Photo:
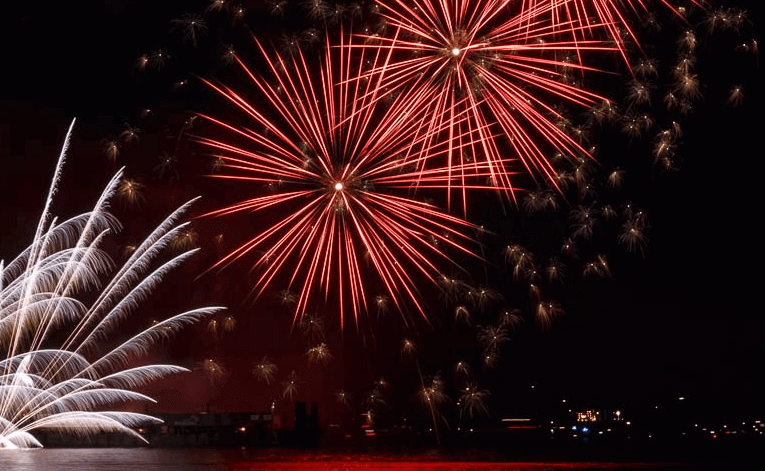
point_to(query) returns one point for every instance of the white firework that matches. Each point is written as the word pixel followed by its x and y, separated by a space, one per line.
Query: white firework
pixel 69 385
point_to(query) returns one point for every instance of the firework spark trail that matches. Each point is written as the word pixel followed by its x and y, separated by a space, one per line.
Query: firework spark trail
pixel 340 162
pixel 486 73
pixel 66 388
pixel 612 15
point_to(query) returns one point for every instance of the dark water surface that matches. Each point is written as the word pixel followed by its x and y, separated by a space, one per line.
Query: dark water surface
pixel 198 459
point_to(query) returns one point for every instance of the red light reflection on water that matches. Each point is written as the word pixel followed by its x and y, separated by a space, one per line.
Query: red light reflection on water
pixel 427 466
pixel 353 466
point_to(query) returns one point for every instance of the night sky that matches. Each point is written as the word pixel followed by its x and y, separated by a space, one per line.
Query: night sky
pixel 686 320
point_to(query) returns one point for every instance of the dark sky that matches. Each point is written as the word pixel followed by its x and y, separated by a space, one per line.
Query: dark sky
pixel 686 320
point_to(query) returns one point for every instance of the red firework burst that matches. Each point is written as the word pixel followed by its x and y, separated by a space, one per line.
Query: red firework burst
pixel 337 183
pixel 487 68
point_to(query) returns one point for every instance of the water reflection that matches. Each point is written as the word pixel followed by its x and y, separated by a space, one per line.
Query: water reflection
pixel 197 459
pixel 92 459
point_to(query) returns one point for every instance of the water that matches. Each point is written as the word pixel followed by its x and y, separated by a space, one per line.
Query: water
pixel 198 459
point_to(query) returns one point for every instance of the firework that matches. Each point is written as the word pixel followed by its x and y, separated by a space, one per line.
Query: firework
pixel 546 312
pixel 472 402
pixel 555 270
pixel 736 96
pixel 213 369
pixel 290 386
pixel 265 370
pixel 483 298
pixel 319 354
pixel 312 327
pixel 613 17
pixel 633 235
pixel 130 134
pixel 598 267
pixel 166 167
pixel 111 150
pixel 337 184
pixel 408 348
pixel 191 26
pixel 185 239
pixel 510 318
pixel 434 398
pixel 66 385
pixel 492 338
pixel 485 69
pixel 374 400
pixel 462 315
pixel 130 192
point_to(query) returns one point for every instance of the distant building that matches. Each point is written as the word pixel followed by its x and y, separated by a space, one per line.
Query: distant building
pixel 589 415
pixel 594 415
pixel 212 429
